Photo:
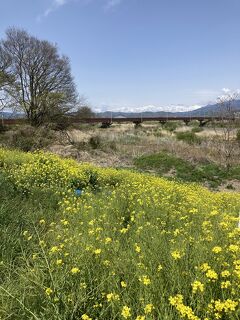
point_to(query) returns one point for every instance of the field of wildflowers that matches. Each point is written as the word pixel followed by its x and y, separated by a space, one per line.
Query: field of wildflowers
pixel 116 245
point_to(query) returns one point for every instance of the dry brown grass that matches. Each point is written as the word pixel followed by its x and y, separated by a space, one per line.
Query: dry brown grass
pixel 132 143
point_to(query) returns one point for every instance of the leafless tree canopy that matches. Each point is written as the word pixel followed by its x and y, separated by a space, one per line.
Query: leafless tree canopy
pixel 43 85
pixel 227 146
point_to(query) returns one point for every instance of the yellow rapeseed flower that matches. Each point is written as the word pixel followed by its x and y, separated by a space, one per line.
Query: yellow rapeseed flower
pixel 211 274
pixel 148 308
pixel 145 280
pixel 176 254
pixel 216 249
pixel 197 286
pixel 112 297
pixel 225 284
pixel 85 317
pixel 123 284
pixel 225 274
pixel 126 312
pixel 108 240
pixel 48 291
pixel 233 248
pixel 75 270
pixel 159 268
pixel 137 248
pixel 59 262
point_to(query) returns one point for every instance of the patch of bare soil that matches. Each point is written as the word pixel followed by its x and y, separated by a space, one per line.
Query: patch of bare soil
pixel 230 185
pixel 170 174
pixel 66 151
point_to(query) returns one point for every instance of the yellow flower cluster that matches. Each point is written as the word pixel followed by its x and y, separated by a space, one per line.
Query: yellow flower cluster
pixel 197 286
pixel 126 312
pixel 184 311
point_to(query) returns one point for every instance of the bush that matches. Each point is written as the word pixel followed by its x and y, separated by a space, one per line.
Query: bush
pixel 171 125
pixel 95 142
pixel 29 138
pixel 194 123
pixel 189 137
pixel 238 136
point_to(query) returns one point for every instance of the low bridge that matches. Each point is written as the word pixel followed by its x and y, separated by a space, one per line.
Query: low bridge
pixel 107 122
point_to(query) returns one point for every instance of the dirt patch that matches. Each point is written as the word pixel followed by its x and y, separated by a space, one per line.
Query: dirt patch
pixel 79 136
pixel 67 151
pixel 230 185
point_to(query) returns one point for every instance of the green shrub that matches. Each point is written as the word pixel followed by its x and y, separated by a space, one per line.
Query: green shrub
pixel 171 125
pixel 194 123
pixel 95 142
pixel 189 137
pixel 197 129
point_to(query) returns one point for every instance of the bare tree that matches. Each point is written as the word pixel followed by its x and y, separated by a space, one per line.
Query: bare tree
pixel 84 112
pixel 43 85
pixel 5 80
pixel 227 146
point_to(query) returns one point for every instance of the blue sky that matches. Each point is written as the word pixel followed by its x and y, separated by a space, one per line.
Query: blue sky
pixel 133 54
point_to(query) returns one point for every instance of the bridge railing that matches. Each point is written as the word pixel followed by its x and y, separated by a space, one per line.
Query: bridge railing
pixel 122 120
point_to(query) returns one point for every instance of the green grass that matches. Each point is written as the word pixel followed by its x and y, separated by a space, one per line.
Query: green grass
pixel 197 129
pixel 19 213
pixel 209 173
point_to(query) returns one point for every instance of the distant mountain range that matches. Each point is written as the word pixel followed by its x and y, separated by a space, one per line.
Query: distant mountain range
pixel 209 110
pixel 11 115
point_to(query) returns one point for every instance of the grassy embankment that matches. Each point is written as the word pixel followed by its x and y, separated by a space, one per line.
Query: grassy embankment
pixel 131 247
pixel 185 153
pixel 210 173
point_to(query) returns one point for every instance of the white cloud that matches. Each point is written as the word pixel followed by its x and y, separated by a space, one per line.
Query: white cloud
pixel 229 95
pixel 226 90
pixel 231 91
pixel 53 7
pixel 152 108
pixel 56 4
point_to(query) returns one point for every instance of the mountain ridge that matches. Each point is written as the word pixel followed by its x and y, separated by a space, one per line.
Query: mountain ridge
pixel 208 110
